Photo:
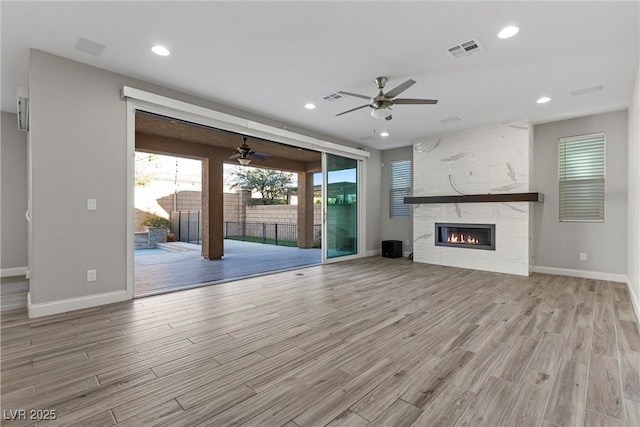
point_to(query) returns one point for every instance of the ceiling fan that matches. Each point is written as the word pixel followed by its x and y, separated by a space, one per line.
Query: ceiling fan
pixel 381 104
pixel 245 154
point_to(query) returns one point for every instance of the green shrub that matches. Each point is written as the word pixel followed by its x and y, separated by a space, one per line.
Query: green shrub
pixel 156 221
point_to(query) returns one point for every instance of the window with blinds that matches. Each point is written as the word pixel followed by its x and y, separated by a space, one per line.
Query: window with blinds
pixel 581 171
pixel 399 188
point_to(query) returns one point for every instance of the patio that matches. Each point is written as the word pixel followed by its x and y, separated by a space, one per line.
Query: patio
pixel 181 266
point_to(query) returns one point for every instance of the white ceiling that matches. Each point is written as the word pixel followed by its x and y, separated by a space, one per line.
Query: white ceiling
pixel 271 58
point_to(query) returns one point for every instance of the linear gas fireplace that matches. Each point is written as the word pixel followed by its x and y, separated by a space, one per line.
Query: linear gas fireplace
pixel 471 236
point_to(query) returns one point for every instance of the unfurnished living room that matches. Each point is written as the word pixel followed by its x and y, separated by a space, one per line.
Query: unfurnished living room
pixel 467 172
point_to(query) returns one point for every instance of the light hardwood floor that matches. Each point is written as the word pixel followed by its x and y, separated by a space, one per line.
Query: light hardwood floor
pixel 379 342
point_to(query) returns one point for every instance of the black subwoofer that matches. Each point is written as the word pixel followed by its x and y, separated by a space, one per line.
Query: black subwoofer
pixel 392 248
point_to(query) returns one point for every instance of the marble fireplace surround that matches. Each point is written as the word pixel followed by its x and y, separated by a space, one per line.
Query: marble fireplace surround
pixel 490 161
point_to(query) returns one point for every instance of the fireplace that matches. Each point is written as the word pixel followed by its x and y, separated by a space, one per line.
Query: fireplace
pixel 470 236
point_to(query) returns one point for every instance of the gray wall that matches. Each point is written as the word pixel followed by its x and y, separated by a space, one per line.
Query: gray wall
pixel 559 244
pixel 396 228
pixel 633 232
pixel 372 212
pixel 13 153
pixel 78 136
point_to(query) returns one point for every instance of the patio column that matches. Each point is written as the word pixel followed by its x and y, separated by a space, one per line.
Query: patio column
pixel 243 200
pixel 212 208
pixel 305 210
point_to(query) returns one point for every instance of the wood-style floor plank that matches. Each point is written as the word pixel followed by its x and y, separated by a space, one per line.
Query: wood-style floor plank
pixel 487 408
pixel 373 341
pixel 566 405
pixel 446 408
pixel 399 414
pixel 516 359
pixel 630 365
pixel 604 394
pixel 600 420
pixel 528 400
pixel 327 409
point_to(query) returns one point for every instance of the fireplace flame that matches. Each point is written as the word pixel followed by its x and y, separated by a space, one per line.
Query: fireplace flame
pixel 460 238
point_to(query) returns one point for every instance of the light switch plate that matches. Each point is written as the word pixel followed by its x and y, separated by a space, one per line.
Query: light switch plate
pixel 92 205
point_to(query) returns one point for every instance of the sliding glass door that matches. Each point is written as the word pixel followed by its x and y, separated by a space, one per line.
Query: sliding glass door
pixel 340 206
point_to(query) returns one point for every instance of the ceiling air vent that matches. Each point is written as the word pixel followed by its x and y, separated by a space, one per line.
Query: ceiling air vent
pixel 586 91
pixel 332 97
pixel 465 49
pixel 90 47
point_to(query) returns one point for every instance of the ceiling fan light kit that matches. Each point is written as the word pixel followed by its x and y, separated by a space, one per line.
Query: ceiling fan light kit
pixel 381 104
pixel 381 113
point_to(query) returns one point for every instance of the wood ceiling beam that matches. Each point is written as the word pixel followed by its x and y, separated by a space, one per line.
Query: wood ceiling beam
pixel 177 147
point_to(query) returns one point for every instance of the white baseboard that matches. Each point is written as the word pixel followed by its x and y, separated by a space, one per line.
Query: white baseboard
pixel 16 271
pixel 62 306
pixel 585 274
pixel 634 299
pixel 373 252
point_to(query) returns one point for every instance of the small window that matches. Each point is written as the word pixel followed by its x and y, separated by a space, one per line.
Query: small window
pixel 399 188
pixel 581 171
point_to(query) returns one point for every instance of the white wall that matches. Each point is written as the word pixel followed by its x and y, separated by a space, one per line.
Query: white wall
pixel 78 136
pixel 395 228
pixel 13 153
pixel 559 244
pixel 633 220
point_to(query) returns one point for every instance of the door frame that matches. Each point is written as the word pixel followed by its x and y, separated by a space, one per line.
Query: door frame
pixel 139 100
pixel 360 202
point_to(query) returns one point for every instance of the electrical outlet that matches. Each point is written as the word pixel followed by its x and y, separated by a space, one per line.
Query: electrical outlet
pixel 92 275
pixel 92 205
pixel 583 256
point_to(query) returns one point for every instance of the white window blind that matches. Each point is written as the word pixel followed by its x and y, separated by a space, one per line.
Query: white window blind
pixel 581 169
pixel 399 188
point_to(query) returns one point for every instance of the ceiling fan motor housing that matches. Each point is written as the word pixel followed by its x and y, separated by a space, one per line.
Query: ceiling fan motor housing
pixel 380 82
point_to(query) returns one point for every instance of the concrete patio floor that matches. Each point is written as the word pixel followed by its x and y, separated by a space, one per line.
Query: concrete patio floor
pixel 182 268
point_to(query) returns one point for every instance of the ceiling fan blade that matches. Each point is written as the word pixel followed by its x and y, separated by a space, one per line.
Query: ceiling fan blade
pixel 355 95
pixel 400 88
pixel 353 109
pixel 261 153
pixel 235 156
pixel 257 156
pixel 415 101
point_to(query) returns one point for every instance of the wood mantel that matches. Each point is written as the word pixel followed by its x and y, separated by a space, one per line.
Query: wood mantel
pixel 477 198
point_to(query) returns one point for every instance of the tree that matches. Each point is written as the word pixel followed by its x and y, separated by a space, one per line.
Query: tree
pixel 272 185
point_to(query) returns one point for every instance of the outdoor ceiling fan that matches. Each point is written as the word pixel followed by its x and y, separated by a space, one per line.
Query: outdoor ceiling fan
pixel 381 104
pixel 245 154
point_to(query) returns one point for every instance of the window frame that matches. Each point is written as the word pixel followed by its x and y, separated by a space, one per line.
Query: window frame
pixel 563 215
pixel 404 191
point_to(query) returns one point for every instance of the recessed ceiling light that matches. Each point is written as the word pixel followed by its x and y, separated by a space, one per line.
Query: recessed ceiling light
pixel 543 100
pixel 310 106
pixel 160 50
pixel 509 31
pixel 384 133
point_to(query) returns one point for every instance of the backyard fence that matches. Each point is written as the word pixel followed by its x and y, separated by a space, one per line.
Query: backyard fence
pixel 186 228
pixel 268 233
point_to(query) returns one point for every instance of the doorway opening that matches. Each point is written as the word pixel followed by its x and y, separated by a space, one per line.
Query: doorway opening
pixel 218 227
